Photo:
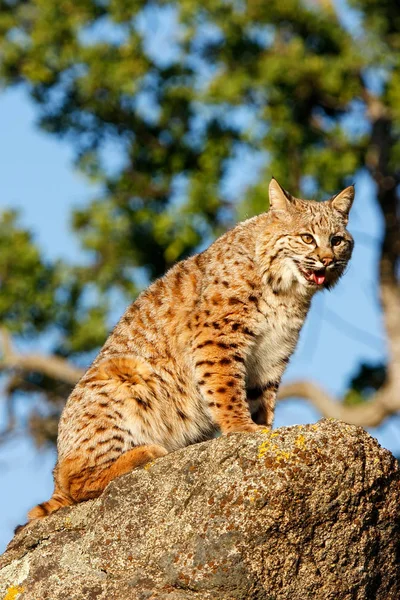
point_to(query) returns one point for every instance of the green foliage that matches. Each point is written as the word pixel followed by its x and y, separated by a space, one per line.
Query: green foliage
pixel 367 380
pixel 37 296
pixel 285 80
pixel 27 283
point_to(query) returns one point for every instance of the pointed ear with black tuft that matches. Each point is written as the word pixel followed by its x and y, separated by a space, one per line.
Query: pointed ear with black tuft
pixel 279 199
pixel 343 201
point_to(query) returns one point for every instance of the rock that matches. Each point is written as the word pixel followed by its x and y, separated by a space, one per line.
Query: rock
pixel 305 512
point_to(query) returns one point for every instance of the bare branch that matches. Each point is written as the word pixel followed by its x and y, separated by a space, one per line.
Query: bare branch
pixel 52 366
pixel 385 403
pixel 390 299
pixel 376 109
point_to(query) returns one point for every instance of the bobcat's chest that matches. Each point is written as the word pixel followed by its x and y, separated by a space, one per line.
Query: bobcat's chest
pixel 272 350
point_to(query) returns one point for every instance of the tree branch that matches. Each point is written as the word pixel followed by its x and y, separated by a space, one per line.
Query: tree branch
pixel 385 403
pixel 52 366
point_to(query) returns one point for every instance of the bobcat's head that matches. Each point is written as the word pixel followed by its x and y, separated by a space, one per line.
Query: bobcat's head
pixel 312 246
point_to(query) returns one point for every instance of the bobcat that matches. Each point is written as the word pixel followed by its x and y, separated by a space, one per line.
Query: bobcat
pixel 203 348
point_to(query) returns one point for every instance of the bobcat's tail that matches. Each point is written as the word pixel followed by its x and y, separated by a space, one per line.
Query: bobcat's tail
pixel 58 500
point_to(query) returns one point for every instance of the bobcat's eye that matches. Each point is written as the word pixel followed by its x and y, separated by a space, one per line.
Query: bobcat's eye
pixel 336 240
pixel 307 238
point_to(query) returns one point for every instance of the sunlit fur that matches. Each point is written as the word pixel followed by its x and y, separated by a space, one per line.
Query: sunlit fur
pixel 283 251
pixel 203 348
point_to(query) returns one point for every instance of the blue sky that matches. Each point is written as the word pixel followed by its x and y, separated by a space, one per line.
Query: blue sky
pixel 37 176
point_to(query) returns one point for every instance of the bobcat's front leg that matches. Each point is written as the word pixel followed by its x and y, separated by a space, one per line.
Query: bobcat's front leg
pixel 220 374
pixel 266 395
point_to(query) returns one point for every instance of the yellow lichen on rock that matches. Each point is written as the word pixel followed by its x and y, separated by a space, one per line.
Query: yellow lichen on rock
pixel 148 465
pixel 264 448
pixel 300 441
pixel 268 446
pixel 282 455
pixel 254 495
pixel 13 592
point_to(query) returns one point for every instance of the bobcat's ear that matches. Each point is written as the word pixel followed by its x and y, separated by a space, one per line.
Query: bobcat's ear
pixel 343 201
pixel 279 199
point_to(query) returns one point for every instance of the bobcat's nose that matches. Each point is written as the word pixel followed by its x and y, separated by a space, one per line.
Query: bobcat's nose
pixel 326 260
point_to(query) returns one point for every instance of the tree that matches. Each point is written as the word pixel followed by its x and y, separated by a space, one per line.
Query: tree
pixel 285 82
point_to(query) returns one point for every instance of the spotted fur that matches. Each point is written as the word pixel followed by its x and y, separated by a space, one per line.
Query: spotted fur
pixel 203 348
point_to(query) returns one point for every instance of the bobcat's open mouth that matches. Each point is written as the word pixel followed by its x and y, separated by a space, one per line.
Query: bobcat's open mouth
pixel 317 277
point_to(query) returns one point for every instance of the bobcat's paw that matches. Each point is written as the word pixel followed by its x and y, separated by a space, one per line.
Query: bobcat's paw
pixel 247 428
pixel 156 451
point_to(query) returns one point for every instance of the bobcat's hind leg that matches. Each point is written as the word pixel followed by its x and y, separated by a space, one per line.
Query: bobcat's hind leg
pixel 90 482
pixel 76 482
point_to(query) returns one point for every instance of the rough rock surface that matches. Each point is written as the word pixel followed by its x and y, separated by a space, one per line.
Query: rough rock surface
pixel 305 512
